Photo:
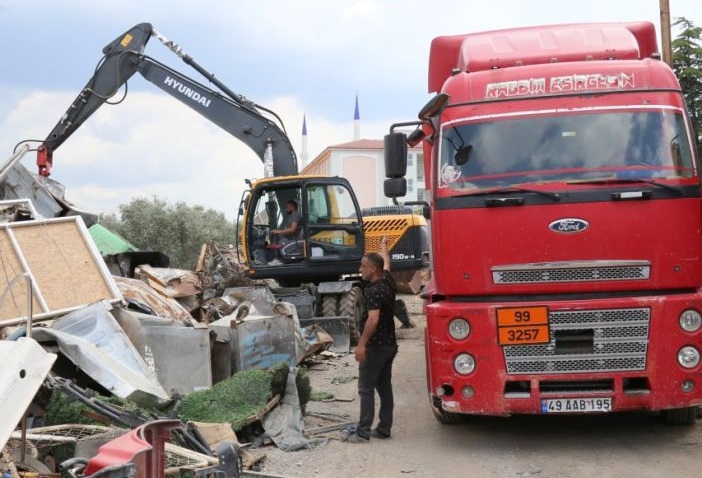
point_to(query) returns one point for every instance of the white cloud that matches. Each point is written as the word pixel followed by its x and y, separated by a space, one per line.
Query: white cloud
pixel 151 145
pixel 363 9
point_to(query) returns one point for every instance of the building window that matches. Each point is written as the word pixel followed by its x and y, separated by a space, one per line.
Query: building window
pixel 410 185
pixel 410 160
pixel 420 166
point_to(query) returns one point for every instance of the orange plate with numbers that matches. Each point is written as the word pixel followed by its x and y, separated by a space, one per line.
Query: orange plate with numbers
pixel 523 325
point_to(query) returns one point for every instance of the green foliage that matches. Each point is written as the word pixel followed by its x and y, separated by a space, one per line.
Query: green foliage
pixel 242 395
pixel 232 400
pixel 320 395
pixel 178 230
pixel 62 409
pixel 687 64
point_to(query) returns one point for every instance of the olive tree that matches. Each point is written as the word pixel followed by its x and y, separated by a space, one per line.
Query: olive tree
pixel 687 64
pixel 178 230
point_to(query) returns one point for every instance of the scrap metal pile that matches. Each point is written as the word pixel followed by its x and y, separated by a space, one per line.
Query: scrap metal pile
pixel 114 365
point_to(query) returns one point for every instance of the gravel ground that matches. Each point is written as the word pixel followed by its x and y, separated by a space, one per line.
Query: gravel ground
pixel 634 445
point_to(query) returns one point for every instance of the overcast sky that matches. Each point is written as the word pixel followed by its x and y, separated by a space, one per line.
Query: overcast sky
pixel 295 57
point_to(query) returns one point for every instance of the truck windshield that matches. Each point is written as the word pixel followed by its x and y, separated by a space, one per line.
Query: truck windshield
pixel 649 144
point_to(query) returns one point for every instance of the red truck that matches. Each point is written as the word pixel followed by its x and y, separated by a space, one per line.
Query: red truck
pixel 566 224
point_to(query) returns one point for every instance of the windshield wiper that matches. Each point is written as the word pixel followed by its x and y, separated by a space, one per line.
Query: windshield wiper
pixel 512 189
pixel 652 182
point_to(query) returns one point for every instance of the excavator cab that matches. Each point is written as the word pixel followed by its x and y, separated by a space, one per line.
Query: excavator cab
pixel 300 229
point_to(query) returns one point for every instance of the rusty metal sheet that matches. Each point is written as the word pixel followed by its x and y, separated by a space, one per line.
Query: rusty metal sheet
pixel 148 300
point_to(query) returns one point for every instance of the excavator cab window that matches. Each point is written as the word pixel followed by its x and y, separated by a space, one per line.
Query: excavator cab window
pixel 329 226
pixel 271 214
pixel 334 223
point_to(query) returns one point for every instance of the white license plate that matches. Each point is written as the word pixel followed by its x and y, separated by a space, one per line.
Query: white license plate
pixel 576 405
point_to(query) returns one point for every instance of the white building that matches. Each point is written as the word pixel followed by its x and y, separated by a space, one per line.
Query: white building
pixel 361 161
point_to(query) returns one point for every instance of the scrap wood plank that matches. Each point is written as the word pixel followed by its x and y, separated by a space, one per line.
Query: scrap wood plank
pixel 201 259
pixel 329 428
pixel 270 406
pixel 258 474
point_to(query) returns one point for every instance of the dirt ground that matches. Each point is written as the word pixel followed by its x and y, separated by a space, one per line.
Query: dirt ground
pixel 603 446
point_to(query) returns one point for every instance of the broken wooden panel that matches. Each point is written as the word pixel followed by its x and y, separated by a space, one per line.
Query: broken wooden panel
pixel 63 262
pixel 15 302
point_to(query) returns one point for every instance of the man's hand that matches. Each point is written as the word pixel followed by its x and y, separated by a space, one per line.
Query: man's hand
pixel 360 353
pixel 384 244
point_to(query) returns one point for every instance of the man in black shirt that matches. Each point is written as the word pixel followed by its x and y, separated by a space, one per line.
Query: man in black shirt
pixel 290 229
pixel 376 348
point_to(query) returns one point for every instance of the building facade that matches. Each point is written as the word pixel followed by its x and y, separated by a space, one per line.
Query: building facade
pixel 362 162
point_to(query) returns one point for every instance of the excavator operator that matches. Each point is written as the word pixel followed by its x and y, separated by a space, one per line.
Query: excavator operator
pixel 291 222
pixel 289 232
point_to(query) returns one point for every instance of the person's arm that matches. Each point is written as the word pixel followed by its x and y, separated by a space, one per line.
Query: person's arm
pixel 287 231
pixel 384 252
pixel 368 331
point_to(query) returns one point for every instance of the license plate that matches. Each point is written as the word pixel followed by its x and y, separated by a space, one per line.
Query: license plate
pixel 522 325
pixel 576 405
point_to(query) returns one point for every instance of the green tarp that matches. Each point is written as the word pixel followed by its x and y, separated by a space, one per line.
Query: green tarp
pixel 108 242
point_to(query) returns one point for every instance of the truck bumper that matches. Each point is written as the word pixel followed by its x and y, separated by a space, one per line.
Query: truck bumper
pixel 626 358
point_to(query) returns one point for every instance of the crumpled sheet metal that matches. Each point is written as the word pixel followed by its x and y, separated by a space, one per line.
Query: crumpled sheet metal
pixel 148 300
pixel 93 340
pixel 24 367
pixel 175 283
pixel 179 355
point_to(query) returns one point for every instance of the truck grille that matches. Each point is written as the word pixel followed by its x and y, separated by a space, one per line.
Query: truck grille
pixel 619 343
pixel 572 272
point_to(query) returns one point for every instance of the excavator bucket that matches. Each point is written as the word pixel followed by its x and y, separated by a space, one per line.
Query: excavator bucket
pixel 411 281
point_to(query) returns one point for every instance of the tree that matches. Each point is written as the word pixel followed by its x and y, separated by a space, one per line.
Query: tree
pixel 178 230
pixel 687 64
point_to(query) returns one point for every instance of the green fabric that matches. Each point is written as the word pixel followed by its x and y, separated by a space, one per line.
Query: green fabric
pixel 108 242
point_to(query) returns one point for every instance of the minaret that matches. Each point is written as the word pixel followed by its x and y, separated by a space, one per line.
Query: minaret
pixel 356 122
pixel 304 154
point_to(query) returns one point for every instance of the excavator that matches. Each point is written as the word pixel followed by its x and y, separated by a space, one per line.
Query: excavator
pixel 331 234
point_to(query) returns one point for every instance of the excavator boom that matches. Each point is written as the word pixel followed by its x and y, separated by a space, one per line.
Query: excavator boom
pixel 125 56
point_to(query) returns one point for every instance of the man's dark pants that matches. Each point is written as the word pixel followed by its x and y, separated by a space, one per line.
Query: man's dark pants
pixel 376 374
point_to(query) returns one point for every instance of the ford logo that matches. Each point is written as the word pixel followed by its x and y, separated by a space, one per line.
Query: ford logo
pixel 569 225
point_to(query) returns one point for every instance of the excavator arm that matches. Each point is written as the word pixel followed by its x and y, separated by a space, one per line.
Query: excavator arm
pixel 124 56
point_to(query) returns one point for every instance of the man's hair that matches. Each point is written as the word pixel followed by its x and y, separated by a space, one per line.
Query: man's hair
pixel 376 259
pixel 293 203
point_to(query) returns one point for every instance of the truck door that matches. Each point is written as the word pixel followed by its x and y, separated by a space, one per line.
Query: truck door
pixel 335 228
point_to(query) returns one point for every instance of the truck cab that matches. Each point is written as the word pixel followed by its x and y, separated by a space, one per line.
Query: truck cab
pixel 566 222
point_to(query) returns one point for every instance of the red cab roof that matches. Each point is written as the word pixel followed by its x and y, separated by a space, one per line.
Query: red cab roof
pixel 538 45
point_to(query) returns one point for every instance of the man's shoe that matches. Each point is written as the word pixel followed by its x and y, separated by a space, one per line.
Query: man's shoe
pixel 356 438
pixel 377 434
pixel 274 262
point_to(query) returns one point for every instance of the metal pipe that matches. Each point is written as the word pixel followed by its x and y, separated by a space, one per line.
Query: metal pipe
pixel 666 42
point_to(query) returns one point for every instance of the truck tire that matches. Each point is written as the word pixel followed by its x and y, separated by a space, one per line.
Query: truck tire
pixel 330 306
pixel 680 416
pixel 448 418
pixel 351 306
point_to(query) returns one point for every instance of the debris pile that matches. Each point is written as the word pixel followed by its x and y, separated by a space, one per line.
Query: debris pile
pixel 130 368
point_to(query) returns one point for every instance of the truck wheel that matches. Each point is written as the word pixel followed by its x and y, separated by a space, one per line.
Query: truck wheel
pixel 680 416
pixel 351 306
pixel 447 418
pixel 330 306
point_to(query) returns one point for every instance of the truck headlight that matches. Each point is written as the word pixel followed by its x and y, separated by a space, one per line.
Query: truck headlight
pixel 459 328
pixel 690 320
pixel 688 357
pixel 464 364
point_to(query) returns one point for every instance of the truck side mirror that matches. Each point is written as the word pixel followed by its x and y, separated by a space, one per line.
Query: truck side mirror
pixel 395 187
pixel 395 155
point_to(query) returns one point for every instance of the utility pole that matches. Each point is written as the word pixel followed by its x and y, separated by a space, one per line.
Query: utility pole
pixel 665 32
